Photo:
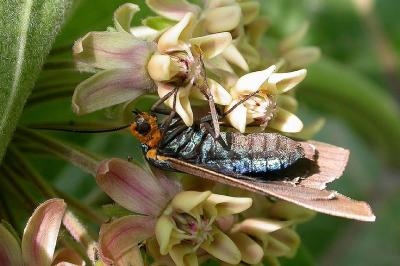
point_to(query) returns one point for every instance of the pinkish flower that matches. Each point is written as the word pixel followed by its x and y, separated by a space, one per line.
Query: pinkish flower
pixel 183 223
pixel 39 240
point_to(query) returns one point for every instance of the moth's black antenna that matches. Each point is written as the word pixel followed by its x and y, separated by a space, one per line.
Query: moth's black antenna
pixel 75 130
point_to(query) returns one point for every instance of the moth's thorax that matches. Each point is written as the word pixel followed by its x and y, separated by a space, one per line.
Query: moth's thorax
pixel 150 138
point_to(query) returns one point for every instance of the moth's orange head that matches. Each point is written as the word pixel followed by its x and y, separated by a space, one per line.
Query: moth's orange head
pixel 145 129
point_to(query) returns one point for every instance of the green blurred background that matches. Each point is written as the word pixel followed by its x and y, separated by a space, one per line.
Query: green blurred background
pixel 356 86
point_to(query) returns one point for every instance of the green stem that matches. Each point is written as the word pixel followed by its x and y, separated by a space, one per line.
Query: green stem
pixel 81 159
pixel 48 95
pixel 13 179
pixel 37 179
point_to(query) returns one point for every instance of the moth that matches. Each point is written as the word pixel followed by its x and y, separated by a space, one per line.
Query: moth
pixel 266 163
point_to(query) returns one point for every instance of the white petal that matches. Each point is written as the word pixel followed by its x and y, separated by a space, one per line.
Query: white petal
pixel 220 95
pixel 237 118
pixel 172 9
pixel 123 16
pixel 187 200
pixel 252 82
pixel 226 205
pixel 181 32
pixel 213 44
pixel 182 107
pixel 285 121
pixel 282 82
pixel 233 56
pixel 161 68
pixel 222 19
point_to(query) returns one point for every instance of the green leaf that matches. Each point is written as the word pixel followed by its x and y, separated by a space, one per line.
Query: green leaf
pixel 28 29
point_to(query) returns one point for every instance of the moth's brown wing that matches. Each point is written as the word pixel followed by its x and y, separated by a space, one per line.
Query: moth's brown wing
pixel 331 161
pixel 329 202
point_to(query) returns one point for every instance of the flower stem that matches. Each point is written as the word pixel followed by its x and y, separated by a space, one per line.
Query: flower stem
pixel 81 159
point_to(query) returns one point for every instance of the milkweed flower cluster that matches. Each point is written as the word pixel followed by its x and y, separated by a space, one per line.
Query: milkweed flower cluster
pixel 186 55
pixel 180 227
pixel 188 51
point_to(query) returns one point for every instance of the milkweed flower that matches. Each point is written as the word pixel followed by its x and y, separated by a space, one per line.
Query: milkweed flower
pixel 39 240
pixel 177 64
pixel 217 17
pixel 118 58
pixel 182 222
pixel 270 104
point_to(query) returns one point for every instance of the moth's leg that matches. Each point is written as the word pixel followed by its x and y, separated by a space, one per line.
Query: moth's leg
pixel 239 103
pixel 220 140
pixel 167 139
pixel 156 106
pixel 207 93
pixel 167 122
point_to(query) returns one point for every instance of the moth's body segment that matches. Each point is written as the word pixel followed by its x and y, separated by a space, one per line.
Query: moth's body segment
pixel 253 155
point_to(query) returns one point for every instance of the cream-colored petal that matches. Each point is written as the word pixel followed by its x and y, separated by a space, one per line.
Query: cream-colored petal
pixel 178 34
pixel 213 44
pixel 121 235
pixel 252 253
pixel 252 82
pixel 250 11
pixel 163 231
pixel 233 56
pixel 41 232
pixel 162 67
pixel 187 200
pixel 220 95
pixel 237 118
pixel 10 251
pixel 144 33
pixel 302 57
pixel 123 16
pixel 172 9
pixel 222 248
pixel 184 255
pixel 292 40
pixel 183 107
pixel 229 205
pixel 222 19
pixel 219 63
pixel 259 227
pixel 283 82
pixel 285 121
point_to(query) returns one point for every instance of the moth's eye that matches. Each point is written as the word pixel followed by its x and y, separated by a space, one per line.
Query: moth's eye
pixel 142 127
